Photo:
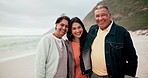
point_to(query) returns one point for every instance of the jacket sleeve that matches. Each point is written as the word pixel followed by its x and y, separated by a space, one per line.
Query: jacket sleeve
pixel 131 56
pixel 40 62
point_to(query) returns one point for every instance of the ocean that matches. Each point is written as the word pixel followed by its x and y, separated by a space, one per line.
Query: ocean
pixel 12 43
pixel 13 47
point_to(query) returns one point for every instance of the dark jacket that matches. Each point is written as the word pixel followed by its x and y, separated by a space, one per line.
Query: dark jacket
pixel 120 54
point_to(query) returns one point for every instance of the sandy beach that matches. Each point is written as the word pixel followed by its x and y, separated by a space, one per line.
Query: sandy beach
pixel 22 66
pixel 141 45
pixel 14 65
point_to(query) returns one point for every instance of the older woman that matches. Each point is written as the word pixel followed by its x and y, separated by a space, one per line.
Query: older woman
pixel 51 58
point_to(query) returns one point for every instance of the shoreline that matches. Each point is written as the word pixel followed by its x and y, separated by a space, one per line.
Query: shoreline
pixel 16 54
pixel 20 63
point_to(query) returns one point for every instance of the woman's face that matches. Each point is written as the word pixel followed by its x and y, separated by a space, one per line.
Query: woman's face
pixel 77 30
pixel 61 28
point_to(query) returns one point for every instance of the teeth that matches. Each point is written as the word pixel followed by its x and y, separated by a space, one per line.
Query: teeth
pixel 63 31
pixel 78 33
pixel 101 21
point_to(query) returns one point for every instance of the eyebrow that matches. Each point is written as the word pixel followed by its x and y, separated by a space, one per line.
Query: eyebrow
pixel 63 23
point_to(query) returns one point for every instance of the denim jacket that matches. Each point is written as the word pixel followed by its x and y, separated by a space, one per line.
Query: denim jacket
pixel 120 54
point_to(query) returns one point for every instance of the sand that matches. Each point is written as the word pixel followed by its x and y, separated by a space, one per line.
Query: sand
pixel 141 45
pixel 22 66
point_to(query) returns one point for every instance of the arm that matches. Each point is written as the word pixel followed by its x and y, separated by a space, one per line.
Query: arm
pixel 40 62
pixel 131 56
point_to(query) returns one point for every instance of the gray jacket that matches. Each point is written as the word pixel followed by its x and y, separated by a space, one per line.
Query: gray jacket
pixel 70 61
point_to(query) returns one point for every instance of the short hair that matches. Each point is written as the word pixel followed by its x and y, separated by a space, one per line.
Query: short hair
pixel 61 18
pixel 102 6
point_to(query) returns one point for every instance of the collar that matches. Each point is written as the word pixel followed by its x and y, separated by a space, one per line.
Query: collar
pixel 109 27
pixel 113 28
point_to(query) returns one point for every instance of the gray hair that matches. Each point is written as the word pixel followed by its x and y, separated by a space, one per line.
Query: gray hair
pixel 102 6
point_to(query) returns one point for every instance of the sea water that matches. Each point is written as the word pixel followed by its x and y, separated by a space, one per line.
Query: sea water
pixel 13 47
pixel 11 43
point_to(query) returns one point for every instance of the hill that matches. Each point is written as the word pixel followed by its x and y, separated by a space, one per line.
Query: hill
pixel 132 14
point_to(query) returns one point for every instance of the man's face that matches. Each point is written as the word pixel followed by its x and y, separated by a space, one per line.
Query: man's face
pixel 102 17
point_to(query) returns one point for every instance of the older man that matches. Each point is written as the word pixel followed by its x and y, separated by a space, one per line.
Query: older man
pixel 108 51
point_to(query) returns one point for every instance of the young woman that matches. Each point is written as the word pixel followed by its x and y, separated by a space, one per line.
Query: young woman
pixel 51 58
pixel 76 37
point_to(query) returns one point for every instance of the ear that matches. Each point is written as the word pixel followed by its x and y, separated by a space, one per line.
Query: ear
pixel 56 27
pixel 110 14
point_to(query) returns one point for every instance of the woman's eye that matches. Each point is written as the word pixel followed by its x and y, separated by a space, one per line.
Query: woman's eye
pixel 62 24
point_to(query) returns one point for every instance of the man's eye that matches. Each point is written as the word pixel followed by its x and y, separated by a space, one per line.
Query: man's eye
pixel 103 15
pixel 97 15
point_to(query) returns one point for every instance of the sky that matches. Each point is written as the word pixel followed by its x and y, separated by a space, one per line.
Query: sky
pixel 36 17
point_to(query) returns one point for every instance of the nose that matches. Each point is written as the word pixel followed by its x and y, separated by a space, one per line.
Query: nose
pixel 77 30
pixel 64 27
pixel 100 18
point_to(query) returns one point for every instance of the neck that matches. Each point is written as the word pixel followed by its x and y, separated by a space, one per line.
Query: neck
pixel 57 35
pixel 105 27
pixel 76 40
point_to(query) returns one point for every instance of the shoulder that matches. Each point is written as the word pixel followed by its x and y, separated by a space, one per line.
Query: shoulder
pixel 94 27
pixel 50 35
pixel 67 42
pixel 47 38
pixel 119 28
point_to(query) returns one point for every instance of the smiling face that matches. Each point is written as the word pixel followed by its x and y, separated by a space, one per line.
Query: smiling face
pixel 77 30
pixel 61 28
pixel 102 17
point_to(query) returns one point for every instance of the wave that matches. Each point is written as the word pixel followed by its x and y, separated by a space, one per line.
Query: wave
pixel 8 43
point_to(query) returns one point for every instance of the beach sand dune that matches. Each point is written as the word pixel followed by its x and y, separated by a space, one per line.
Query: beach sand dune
pixel 23 67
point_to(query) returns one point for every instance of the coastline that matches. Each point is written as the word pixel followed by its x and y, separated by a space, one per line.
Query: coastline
pixel 21 64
